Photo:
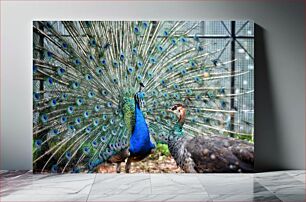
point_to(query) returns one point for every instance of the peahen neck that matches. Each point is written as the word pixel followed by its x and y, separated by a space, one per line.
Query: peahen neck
pixel 176 143
pixel 178 129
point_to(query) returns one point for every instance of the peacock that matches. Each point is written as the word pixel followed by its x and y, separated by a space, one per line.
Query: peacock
pixel 140 143
pixel 209 153
pixel 102 90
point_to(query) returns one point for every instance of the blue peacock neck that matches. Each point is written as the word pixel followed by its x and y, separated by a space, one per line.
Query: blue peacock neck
pixel 140 143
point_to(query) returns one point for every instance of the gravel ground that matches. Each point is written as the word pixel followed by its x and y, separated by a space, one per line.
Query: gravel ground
pixel 152 164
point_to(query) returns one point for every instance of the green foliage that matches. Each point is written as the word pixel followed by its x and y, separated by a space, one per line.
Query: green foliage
pixel 163 149
pixel 248 138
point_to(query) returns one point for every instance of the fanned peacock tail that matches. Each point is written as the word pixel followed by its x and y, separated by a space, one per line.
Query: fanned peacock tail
pixel 85 76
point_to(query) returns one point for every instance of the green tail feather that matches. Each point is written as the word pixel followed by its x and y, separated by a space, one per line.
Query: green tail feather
pixel 85 75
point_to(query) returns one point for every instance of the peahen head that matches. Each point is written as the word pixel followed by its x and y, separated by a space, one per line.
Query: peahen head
pixel 180 111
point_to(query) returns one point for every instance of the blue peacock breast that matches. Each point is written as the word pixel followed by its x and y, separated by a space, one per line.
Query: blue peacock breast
pixel 140 143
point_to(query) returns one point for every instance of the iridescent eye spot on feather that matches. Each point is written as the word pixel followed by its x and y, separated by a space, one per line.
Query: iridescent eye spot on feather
pixel 49 54
pixel 103 139
pixel 79 101
pixel 196 79
pixel 130 70
pixel 38 143
pixel 88 129
pixel 152 60
pixel 53 102
pixel 94 143
pixel 166 33
pixel 160 48
pixel 99 71
pixel 36 96
pixel 54 132
pixel 86 114
pixel 109 104
pixel 77 120
pixel 49 81
pixel 175 86
pixel 122 57
pixel 64 96
pixel 183 40
pixel 88 77
pixel 192 63
pixel 63 119
pixel 104 93
pixel 136 30
pixel 145 24
pixel 93 42
pixel 34 69
pixel 114 133
pixel 64 45
pixel 91 57
pixel 103 61
pixel 97 108
pixel 139 64
pixel 60 71
pixel 173 41
pixel 96 122
pixel 77 62
pixel 75 85
pixel 54 168
pixel 170 68
pixel 183 72
pixel 115 64
pixel 134 51
pixel 86 150
pixel 139 77
pixel 198 97
pixel 71 128
pixel 150 74
pixel 90 94
pixel 177 96
pixel 44 118
pixel 188 91
pixel 68 155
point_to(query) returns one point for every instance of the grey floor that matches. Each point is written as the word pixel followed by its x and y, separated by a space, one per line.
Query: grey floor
pixel 270 186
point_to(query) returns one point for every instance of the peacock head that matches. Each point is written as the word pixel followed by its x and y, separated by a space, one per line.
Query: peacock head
pixel 139 96
pixel 180 111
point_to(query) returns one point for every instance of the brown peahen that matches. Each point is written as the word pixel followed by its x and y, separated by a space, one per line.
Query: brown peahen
pixel 208 153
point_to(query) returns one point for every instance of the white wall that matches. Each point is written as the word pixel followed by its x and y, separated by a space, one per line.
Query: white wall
pixel 280 67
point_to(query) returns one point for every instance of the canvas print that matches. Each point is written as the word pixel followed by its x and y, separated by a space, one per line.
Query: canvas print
pixel 143 96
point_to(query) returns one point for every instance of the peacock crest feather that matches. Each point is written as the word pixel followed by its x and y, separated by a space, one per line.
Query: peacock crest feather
pixel 86 74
